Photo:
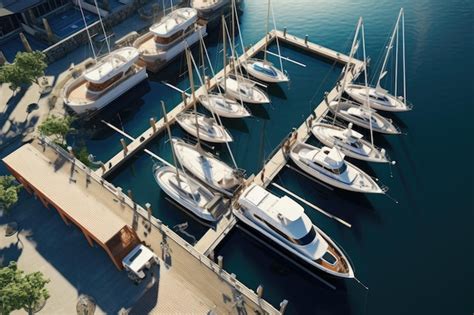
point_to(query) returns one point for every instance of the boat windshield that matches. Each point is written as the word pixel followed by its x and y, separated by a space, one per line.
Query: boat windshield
pixel 308 238
pixel 305 240
pixel 266 70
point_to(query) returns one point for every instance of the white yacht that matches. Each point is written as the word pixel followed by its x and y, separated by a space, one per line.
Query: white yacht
pixel 186 191
pixel 328 165
pixel 223 106
pixel 363 116
pixel 243 89
pixel 379 99
pixel 264 70
pixel 349 141
pixel 208 7
pixel 207 168
pixel 209 129
pixel 168 38
pixel 284 221
pixel 112 76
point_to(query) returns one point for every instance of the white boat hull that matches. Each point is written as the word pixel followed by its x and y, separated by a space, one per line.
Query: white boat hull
pixel 222 106
pixel 215 133
pixel 243 218
pixel 362 182
pixel 279 76
pixel 326 133
pixel 253 94
pixel 387 102
pixel 105 98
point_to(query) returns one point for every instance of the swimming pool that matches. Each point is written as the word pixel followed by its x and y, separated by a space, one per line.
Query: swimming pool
pixel 69 21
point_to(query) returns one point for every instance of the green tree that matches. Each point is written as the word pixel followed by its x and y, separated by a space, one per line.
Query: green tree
pixel 9 190
pixel 58 127
pixel 25 69
pixel 19 290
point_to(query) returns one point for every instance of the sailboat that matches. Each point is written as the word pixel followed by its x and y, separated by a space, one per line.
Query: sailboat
pixel 185 190
pixel 359 114
pixel 263 69
pixel 199 125
pixel 283 221
pixel 329 166
pixel 349 141
pixel 112 76
pixel 203 165
pixel 235 85
pixel 378 97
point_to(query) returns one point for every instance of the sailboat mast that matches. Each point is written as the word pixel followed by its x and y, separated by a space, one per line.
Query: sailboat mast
pixel 165 117
pixel 389 49
pixel 193 93
pixel 224 53
pixel 346 68
pixel 233 32
pixel 102 25
pixel 367 85
pixel 266 34
pixel 403 57
pixel 87 30
pixel 277 40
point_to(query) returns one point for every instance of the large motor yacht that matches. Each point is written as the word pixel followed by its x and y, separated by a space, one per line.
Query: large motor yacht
pixel 283 221
pixel 169 37
pixel 328 165
pixel 112 76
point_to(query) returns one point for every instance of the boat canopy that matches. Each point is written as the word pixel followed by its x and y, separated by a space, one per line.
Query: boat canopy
pixel 117 62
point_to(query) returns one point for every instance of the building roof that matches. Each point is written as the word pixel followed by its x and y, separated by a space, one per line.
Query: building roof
pixel 8 7
pixel 50 174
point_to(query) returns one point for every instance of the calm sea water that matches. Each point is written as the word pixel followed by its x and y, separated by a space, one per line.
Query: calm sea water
pixel 416 256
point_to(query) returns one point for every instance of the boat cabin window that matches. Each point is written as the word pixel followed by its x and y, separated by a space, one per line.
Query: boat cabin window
pixel 305 240
pixel 102 86
pixel 265 70
pixel 167 40
pixel 336 171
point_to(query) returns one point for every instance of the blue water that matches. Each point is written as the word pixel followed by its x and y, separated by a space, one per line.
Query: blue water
pixel 416 256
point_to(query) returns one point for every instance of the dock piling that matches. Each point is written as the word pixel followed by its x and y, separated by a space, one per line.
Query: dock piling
pixel 153 124
pixel 306 40
pixel 260 291
pixel 148 209
pixel 124 146
pixel 71 151
pixel 284 32
pixel 283 306
pixel 220 261
pixel 185 99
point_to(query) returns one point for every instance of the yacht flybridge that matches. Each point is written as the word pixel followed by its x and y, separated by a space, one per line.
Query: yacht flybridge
pixel 329 166
pixel 168 38
pixel 378 97
pixel 209 129
pixel 349 141
pixel 207 168
pixel 284 221
pixel 112 76
pixel 362 116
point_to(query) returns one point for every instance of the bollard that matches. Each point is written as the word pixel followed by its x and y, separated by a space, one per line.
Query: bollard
pixel 260 291
pixel 124 145
pixel 71 151
pixel 262 176
pixel 153 124
pixel 130 195
pixel 284 32
pixel 185 99
pixel 326 98
pixel 120 194
pixel 306 40
pixel 148 208
pixel 283 306
pixel 211 255
pixel 220 261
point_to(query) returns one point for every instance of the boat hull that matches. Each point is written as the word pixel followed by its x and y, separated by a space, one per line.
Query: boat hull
pixel 390 104
pixel 233 109
pixel 255 227
pixel 231 88
pixel 106 98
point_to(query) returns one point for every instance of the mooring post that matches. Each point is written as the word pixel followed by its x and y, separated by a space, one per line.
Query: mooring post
pixel 260 291
pixel 306 40
pixel 220 261
pixel 71 152
pixel 185 99
pixel 284 32
pixel 148 208
pixel 153 124
pixel 208 82
pixel 211 255
pixel 283 306
pixel 262 176
pixel 124 146
pixel 326 98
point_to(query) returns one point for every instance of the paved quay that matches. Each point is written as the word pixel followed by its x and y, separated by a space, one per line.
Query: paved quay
pixel 211 287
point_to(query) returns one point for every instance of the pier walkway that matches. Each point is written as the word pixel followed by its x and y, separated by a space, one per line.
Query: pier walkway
pixel 101 211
